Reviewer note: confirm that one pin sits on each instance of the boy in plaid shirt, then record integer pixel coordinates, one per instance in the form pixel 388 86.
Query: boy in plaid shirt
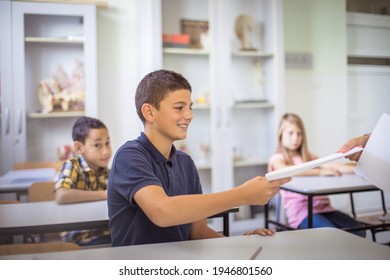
pixel 84 178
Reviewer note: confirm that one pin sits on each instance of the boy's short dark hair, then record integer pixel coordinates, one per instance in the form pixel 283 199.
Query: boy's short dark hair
pixel 82 127
pixel 155 86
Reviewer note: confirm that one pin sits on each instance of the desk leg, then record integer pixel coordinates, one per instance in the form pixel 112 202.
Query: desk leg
pixel 310 211
pixel 226 224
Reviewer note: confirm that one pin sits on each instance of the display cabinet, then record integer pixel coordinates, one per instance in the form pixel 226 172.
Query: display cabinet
pixel 53 74
pixel 236 72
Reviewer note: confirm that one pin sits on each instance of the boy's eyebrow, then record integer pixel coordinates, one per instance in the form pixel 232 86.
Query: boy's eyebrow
pixel 100 139
pixel 182 103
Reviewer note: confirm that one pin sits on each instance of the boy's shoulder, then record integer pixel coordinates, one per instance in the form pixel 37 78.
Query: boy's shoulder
pixel 73 163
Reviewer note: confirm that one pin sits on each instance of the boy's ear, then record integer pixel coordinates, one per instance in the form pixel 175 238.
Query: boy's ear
pixel 148 112
pixel 78 147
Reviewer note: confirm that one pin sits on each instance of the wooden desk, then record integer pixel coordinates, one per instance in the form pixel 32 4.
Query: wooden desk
pixel 323 185
pixel 18 181
pixel 49 216
pixel 310 244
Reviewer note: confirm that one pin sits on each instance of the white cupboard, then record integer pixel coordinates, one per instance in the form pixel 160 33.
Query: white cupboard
pixel 237 93
pixel 45 41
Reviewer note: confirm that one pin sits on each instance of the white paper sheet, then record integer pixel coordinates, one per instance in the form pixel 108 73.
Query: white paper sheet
pixel 374 163
pixel 299 168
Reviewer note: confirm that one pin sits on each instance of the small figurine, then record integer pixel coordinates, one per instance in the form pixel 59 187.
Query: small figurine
pixel 244 26
pixel 59 93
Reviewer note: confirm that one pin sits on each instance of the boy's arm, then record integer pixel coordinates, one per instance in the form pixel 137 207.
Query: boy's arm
pixel 164 210
pixel 64 195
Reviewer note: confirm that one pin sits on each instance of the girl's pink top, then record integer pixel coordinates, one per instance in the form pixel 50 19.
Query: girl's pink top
pixel 295 205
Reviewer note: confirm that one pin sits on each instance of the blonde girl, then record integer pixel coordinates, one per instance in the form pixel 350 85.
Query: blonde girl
pixel 292 149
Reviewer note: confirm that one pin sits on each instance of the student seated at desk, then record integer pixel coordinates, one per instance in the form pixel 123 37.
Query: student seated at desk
pixel 154 191
pixel 84 178
pixel 292 149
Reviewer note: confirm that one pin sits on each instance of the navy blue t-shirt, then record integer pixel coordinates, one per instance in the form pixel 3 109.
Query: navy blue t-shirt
pixel 138 164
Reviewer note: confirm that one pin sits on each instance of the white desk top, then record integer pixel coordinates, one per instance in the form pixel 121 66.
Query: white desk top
pixel 21 180
pixel 36 217
pixel 328 184
pixel 316 244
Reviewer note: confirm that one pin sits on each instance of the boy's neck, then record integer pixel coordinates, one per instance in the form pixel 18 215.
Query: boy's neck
pixel 162 144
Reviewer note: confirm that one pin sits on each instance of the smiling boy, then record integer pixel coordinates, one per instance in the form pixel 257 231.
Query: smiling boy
pixel 154 191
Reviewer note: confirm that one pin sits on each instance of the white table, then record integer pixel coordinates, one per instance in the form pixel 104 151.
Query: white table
pixel 49 216
pixel 18 181
pixel 324 185
pixel 311 244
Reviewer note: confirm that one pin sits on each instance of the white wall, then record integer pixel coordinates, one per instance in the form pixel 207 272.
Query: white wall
pixel 117 70
pixel 319 93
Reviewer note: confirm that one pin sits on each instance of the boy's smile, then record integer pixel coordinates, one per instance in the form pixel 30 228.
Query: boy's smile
pixel 173 117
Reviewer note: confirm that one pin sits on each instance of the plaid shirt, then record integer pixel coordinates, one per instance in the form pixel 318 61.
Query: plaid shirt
pixel 76 174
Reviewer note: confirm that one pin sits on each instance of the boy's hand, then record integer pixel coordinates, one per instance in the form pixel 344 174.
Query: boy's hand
pixel 258 191
pixel 261 231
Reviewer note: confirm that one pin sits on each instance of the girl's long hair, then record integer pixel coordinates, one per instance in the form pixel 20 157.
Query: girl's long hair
pixel 291 118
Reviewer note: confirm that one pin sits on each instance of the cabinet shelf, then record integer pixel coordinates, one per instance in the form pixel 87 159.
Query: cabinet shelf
pixel 66 40
pixel 253 105
pixel 187 51
pixel 252 54
pixel 69 114
pixel 249 162
pixel 238 163
pixel 201 107
pixel 203 166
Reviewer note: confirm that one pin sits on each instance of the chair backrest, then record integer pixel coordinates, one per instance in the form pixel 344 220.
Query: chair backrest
pixel 41 191
pixel 13 249
pixel 57 165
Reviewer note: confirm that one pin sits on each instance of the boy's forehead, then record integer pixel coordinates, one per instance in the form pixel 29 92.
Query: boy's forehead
pixel 94 133
pixel 178 94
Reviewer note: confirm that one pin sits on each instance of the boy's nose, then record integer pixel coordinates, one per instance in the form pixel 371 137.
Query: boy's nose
pixel 188 115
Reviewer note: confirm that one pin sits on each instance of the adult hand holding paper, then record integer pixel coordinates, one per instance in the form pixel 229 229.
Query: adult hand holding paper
pixel 374 163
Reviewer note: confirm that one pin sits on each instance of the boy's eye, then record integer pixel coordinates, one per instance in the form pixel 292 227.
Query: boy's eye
pixel 179 108
pixel 98 145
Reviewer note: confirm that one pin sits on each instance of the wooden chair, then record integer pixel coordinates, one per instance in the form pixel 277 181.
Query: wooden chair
pixel 37 192
pixel 41 191
pixel 13 249
pixel 57 165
